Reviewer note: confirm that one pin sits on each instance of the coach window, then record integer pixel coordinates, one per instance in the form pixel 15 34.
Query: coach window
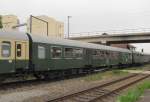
pixel 78 52
pixel 107 53
pixel 18 50
pixel 56 52
pixel 69 52
pixel 6 49
pixel 96 54
pixel 41 52
pixel 102 54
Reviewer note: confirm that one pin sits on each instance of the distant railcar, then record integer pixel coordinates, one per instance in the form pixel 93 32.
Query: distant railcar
pixel 23 54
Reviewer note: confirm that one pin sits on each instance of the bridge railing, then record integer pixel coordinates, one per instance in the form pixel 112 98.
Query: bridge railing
pixel 97 33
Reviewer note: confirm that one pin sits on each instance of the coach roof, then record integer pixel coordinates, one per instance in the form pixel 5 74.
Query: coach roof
pixel 66 42
pixel 13 35
pixel 23 36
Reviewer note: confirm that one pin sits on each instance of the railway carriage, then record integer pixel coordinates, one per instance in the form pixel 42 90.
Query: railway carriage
pixel 14 51
pixel 23 54
pixel 144 58
pixel 60 54
pixel 140 58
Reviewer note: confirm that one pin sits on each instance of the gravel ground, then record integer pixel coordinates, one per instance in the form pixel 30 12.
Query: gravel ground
pixel 130 88
pixel 43 92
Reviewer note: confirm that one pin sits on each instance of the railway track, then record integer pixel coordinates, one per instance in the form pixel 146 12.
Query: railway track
pixel 22 83
pixel 100 92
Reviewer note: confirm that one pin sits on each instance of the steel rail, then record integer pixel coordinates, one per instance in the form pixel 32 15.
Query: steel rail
pixel 118 89
pixel 65 97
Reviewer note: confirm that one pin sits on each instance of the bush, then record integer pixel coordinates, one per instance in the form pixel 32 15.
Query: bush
pixel 133 95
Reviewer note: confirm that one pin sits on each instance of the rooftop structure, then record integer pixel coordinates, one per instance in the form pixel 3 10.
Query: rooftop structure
pixel 8 21
pixel 45 26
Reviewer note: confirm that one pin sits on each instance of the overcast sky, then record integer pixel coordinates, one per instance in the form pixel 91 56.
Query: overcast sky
pixel 87 15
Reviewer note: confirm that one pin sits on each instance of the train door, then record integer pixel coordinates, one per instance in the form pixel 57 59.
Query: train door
pixel 89 56
pixel 21 56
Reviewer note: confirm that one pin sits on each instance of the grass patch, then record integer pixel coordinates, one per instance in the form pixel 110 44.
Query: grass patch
pixel 142 67
pixel 119 72
pixel 93 77
pixel 134 94
pixel 108 74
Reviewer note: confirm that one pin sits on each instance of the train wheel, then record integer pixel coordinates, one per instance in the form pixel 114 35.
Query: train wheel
pixel 39 76
pixel 2 79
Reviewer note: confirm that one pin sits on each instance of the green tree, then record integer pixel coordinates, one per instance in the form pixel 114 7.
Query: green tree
pixel 1 26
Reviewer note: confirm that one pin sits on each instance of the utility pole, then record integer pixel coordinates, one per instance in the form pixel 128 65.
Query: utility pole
pixel 68 25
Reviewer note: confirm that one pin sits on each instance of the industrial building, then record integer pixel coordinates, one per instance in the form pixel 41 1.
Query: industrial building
pixel 8 21
pixel 46 26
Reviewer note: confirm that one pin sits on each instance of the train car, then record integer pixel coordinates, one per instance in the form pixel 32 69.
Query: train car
pixel 59 55
pixel 145 58
pixel 136 57
pixel 14 53
pixel 23 54
pixel 140 58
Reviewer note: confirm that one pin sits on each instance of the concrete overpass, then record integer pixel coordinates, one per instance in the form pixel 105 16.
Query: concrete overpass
pixel 116 38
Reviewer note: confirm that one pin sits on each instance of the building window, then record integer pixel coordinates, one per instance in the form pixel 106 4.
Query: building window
pixel 78 52
pixel 6 49
pixel 56 52
pixel 69 52
pixel 41 52
pixel 18 50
